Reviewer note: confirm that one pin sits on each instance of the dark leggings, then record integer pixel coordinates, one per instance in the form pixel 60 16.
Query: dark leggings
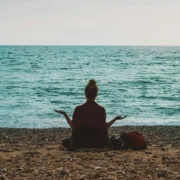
pixel 87 138
pixel 66 143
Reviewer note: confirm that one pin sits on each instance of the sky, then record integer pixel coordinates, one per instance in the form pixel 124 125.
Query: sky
pixel 89 22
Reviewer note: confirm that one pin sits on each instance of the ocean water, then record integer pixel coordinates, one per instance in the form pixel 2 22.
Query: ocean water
pixel 142 83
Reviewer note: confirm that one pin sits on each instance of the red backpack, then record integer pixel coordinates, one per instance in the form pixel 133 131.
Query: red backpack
pixel 133 140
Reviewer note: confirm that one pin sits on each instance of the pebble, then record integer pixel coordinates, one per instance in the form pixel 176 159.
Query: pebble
pixel 161 174
pixel 149 176
pixel 132 170
pixel 2 177
pixel 177 177
pixel 148 152
pixel 3 170
pixel 165 158
pixel 111 178
pixel 110 155
pixel 64 173
pixel 4 150
pixel 161 144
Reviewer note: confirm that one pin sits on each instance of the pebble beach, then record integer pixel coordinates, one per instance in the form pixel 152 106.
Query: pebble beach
pixel 38 154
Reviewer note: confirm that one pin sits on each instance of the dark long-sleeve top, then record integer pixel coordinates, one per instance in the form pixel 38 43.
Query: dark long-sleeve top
pixel 91 115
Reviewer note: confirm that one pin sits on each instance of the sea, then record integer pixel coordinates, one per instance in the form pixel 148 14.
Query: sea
pixel 140 82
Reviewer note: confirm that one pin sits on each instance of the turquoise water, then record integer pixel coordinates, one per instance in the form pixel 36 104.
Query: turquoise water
pixel 140 82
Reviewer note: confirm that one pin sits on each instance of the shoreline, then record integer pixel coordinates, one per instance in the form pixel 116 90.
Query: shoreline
pixel 161 125
pixel 38 154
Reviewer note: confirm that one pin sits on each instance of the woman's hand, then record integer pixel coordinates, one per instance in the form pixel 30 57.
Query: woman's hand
pixel 60 112
pixel 114 120
pixel 120 117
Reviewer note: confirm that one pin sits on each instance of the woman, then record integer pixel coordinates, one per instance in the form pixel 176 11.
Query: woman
pixel 89 126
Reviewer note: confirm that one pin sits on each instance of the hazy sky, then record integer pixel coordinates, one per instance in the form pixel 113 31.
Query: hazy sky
pixel 90 22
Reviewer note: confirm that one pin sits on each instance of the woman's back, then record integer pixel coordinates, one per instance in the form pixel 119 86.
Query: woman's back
pixel 91 115
pixel 89 126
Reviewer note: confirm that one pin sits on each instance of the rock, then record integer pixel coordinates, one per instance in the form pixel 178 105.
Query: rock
pixel 3 170
pixel 98 167
pixel 2 177
pixel 165 158
pixel 148 152
pixel 161 144
pixel 161 174
pixel 80 177
pixel 16 149
pixel 132 170
pixel 177 177
pixel 64 173
pixel 173 162
pixel 20 169
pixel 31 152
pixel 111 178
pixel 149 176
pixel 49 178
pixel 4 150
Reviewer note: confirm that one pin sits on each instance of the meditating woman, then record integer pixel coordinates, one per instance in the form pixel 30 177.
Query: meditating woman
pixel 89 126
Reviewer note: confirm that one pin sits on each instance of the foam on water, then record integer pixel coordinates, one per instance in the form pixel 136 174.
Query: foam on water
pixel 140 82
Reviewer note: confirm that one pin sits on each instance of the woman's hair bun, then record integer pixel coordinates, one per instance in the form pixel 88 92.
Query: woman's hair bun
pixel 91 89
pixel 92 82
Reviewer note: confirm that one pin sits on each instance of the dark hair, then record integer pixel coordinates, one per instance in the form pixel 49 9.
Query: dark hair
pixel 91 89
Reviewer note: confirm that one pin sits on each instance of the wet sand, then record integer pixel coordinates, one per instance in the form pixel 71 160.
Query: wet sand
pixel 38 154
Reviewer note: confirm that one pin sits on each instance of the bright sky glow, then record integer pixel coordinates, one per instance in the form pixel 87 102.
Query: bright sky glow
pixel 91 22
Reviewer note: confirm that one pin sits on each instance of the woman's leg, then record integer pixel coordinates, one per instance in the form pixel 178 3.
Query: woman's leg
pixel 66 143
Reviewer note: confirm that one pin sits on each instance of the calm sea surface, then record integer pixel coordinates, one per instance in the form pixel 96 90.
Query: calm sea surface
pixel 140 82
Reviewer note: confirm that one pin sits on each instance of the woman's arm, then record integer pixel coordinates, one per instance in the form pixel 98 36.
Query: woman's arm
pixel 69 121
pixel 114 120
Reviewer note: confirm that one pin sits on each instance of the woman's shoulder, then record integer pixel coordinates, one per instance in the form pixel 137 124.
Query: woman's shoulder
pixel 100 107
pixel 79 106
pixel 85 106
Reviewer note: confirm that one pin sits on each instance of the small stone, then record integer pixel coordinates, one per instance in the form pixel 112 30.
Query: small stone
pixel 177 177
pixel 132 170
pixel 148 152
pixel 3 170
pixel 97 167
pixel 165 158
pixel 149 176
pixel 59 169
pixel 64 173
pixel 4 150
pixel 173 161
pixel 161 144
pixel 155 156
pixel 129 150
pixel 111 178
pixel 20 169
pixel 49 178
pixel 2 178
pixel 161 174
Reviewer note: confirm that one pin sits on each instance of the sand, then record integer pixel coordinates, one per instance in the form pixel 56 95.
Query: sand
pixel 38 154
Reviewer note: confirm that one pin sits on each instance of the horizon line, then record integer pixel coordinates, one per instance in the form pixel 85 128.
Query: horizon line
pixel 79 45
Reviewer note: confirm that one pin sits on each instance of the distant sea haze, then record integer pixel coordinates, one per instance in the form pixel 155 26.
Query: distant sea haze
pixel 140 82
